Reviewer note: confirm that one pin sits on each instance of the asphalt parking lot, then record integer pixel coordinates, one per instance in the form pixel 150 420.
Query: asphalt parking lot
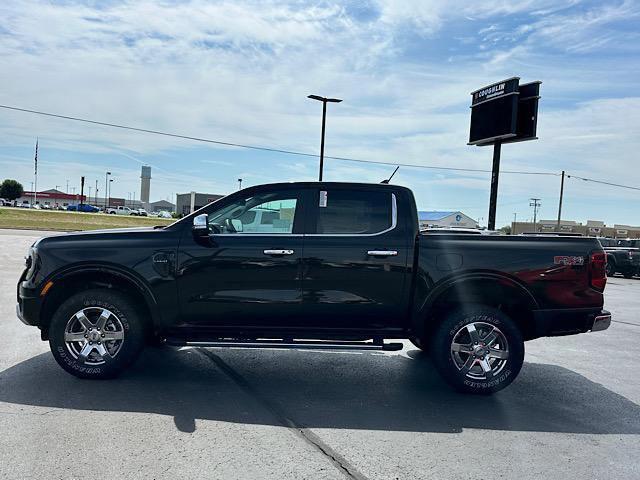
pixel 574 411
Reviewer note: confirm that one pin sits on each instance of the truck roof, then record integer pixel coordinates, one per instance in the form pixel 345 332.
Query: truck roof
pixel 330 184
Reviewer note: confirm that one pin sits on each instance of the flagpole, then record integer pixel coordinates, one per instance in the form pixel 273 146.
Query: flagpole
pixel 35 189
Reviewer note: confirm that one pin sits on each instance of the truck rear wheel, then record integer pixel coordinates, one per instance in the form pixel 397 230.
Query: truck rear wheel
pixel 611 269
pixel 96 334
pixel 478 349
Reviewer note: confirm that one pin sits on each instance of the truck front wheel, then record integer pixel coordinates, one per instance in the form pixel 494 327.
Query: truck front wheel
pixel 96 334
pixel 478 349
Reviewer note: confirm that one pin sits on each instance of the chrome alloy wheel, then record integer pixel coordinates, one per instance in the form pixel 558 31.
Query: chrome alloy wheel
pixel 94 335
pixel 480 350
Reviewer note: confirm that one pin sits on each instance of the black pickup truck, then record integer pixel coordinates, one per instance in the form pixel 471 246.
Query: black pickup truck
pixel 311 265
pixel 623 256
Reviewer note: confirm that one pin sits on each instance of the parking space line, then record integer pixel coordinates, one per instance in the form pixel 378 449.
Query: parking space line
pixel 626 323
pixel 305 434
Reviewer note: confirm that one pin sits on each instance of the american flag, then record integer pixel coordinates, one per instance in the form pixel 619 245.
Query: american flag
pixel 36 159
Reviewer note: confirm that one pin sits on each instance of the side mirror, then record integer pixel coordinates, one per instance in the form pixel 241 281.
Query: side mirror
pixel 200 226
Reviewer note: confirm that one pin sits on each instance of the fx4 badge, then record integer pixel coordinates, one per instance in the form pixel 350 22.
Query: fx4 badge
pixel 568 260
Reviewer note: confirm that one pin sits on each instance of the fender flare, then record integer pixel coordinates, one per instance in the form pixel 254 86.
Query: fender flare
pixel 127 275
pixel 450 282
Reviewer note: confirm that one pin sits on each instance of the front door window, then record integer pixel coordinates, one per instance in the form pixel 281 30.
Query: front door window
pixel 268 213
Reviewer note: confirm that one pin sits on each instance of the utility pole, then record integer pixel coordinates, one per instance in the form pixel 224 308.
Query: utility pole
pixel 239 184
pixel 81 189
pixel 96 192
pixel 515 221
pixel 535 203
pixel 324 101
pixel 495 173
pixel 560 203
pixel 67 190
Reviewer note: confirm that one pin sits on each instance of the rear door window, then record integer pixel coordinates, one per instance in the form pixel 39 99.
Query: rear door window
pixel 354 212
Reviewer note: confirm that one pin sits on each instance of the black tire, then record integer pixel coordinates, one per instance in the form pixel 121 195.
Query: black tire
pixel 502 371
pixel 611 269
pixel 123 317
pixel 628 274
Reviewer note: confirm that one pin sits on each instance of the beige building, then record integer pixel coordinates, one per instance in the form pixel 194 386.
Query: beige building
pixel 593 228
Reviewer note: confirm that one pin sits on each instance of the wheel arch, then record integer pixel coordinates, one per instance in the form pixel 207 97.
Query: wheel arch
pixel 485 288
pixel 74 279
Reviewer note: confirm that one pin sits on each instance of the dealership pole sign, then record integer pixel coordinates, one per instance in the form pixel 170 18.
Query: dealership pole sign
pixel 503 112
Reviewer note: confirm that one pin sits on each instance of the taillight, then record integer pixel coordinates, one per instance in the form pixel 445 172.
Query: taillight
pixel 598 270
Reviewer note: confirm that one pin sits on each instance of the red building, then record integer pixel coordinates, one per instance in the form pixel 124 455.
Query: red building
pixel 52 198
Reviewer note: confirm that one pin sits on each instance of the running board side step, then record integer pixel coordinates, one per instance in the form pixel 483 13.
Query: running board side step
pixel 301 344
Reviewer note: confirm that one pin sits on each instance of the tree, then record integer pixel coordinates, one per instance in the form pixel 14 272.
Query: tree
pixel 11 189
pixel 506 229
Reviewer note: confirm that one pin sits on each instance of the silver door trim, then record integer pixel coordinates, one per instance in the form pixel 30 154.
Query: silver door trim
pixel 382 253
pixel 394 224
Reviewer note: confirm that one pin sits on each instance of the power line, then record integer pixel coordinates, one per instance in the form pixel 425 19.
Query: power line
pixel 266 149
pixel 604 183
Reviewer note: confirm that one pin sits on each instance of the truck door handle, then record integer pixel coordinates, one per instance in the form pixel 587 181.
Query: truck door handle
pixel 382 253
pixel 278 252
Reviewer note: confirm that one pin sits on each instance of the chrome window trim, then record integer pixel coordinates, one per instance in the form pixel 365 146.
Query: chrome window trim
pixel 279 235
pixel 394 224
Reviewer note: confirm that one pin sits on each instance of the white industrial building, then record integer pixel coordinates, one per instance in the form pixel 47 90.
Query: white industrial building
pixel 446 219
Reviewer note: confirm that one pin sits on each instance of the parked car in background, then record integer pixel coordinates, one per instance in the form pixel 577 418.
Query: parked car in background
pixel 141 212
pixel 83 208
pixel 164 214
pixel 5 203
pixel 623 256
pixel 121 211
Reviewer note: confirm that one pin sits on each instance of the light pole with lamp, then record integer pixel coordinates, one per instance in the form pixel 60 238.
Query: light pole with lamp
pixel 324 101
pixel 109 190
pixel 106 189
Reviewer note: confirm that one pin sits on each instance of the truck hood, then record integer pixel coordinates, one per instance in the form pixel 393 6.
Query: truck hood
pixel 97 235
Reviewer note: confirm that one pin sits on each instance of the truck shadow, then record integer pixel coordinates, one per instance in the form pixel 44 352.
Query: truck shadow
pixel 324 390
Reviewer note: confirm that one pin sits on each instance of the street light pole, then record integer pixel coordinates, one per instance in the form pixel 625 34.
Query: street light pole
pixel 324 101
pixel 106 189
pixel 239 184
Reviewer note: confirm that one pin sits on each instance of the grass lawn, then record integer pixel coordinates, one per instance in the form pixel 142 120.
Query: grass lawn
pixel 68 221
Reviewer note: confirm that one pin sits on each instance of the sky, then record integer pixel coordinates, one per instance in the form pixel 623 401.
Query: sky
pixel 240 72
